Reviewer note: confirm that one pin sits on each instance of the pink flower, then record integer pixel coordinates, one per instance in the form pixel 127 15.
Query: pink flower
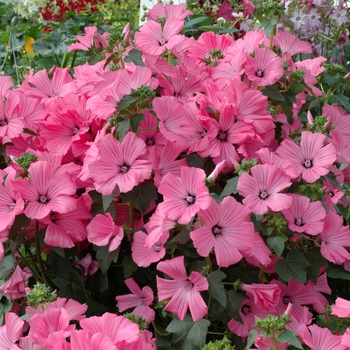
pixel 341 307
pixel 139 299
pixel 120 164
pixel 11 331
pixel 87 265
pixel 91 38
pixel 311 159
pixel 102 231
pixel 303 216
pixel 117 328
pixel 266 296
pixel 182 291
pixel 184 196
pixel 335 239
pixel 48 190
pixel 262 190
pixel 153 38
pixel 265 68
pixel 14 287
pixel 160 10
pixel 84 340
pixel 226 229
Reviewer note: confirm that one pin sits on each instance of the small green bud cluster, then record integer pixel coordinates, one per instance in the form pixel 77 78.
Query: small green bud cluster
pixel 314 191
pixel 222 344
pixel 321 124
pixel 277 222
pixel 139 320
pixel 335 68
pixel 269 9
pixel 298 76
pixel 39 295
pixel 143 91
pixel 212 60
pixel 272 324
pixel 25 160
pixel 245 166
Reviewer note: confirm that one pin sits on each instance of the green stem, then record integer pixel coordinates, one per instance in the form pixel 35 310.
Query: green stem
pixel 40 260
pixel 65 60
pixel 275 342
pixel 162 334
pixel 73 59
pixel 209 264
pixel 131 217
pixel 31 266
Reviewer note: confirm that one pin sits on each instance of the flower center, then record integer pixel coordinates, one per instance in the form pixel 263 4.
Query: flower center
pixel 191 199
pixel 3 122
pixel 216 230
pixel 308 164
pixel 150 142
pixel 124 169
pixel 162 41
pixel 43 199
pixel 12 205
pixel 259 73
pixel 75 130
pixel 298 222
pixel 245 310
pixel 263 195
pixel 222 136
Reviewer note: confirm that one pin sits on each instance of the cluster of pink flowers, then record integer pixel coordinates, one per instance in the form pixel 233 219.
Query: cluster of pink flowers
pixel 203 113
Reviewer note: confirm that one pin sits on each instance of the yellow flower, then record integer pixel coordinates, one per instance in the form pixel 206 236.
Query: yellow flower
pixel 28 46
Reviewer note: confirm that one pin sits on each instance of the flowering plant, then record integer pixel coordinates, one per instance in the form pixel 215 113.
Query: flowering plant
pixel 199 182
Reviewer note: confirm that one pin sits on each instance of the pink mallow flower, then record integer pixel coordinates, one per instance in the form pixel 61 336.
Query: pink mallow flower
pixel 184 196
pixel 226 229
pixel 341 308
pixel 120 164
pixel 183 291
pixel 47 190
pixel 312 158
pixel 11 331
pixel 262 189
pixel 14 287
pixel 266 296
pixel 305 216
pixel 140 299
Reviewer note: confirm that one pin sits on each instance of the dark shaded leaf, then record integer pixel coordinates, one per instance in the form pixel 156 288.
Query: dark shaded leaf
pixel 126 101
pixel 135 120
pixel 230 187
pixel 105 257
pixel 293 265
pixel 277 243
pixel 6 265
pixel 316 262
pixel 129 266
pixel 188 335
pixel 135 56
pixel 216 288
pixel 289 336
pixel 20 223
pixel 273 92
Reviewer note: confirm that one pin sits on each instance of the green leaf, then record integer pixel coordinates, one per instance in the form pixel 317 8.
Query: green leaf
pixel 99 204
pixel 296 87
pixel 141 196
pixel 135 120
pixel 196 22
pixel 107 201
pixel 273 92
pixel 293 265
pixel 123 128
pixel 289 336
pixel 7 264
pixel 233 305
pixel 257 221
pixel 5 306
pixel 230 187
pixel 188 335
pixel 287 105
pixel 316 261
pixel 126 101
pixel 136 57
pixel 337 271
pixel 216 197
pixel 216 288
pixel 105 257
pixel 129 266
pixel 269 25
pixel 251 338
pixel 277 243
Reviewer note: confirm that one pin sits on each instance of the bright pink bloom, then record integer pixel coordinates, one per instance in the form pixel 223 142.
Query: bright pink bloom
pixel 260 252
pixel 84 340
pixel 47 191
pixel 290 45
pixel 184 196
pixel 262 189
pixel 11 202
pixel 268 343
pixel 321 287
pixel 144 256
pixel 139 299
pixel 226 229
pixel 305 216
pixel 266 296
pixel 335 239
pixel 311 159
pixel 248 312
pixel 14 287
pixel 90 39
pixel 153 38
pixel 265 68
pixel 102 231
pixel 182 291
pixel 120 164
pixel 320 338
pixel 117 328
pixel 341 308
pixel 10 331
pixel 87 265
pixel 175 129
pixel 160 10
